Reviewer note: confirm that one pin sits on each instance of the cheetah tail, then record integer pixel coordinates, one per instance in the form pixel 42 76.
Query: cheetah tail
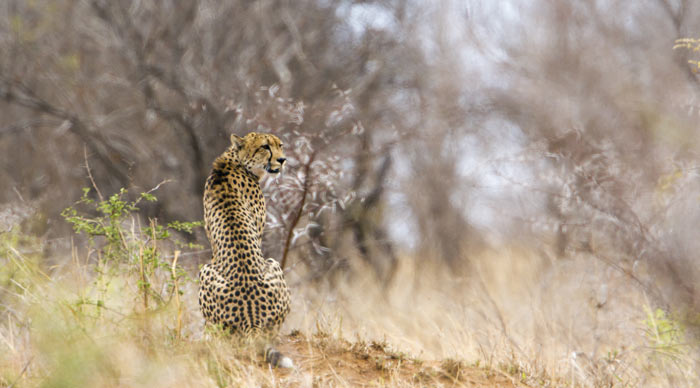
pixel 277 359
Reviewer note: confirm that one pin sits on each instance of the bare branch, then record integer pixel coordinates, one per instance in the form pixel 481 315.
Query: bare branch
pixel 300 207
pixel 92 180
pixel 19 94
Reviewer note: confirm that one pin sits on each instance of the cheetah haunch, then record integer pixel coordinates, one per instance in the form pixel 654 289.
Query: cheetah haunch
pixel 239 289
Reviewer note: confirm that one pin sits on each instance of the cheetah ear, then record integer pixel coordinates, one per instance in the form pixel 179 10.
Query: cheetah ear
pixel 237 141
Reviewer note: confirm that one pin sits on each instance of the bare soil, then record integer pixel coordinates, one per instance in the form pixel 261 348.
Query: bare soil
pixel 325 361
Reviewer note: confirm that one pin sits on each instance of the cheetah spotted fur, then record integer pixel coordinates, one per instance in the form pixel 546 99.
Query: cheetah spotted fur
pixel 239 289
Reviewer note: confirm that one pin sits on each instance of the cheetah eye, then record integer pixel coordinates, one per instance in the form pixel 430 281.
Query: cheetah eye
pixel 266 146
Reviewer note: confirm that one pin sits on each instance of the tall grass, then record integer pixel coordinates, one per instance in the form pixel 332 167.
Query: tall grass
pixel 577 321
pixel 120 310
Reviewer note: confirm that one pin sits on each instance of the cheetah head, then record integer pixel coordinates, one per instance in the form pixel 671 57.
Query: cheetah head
pixel 259 152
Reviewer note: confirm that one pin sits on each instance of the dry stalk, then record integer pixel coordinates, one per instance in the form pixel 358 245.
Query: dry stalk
pixel 21 374
pixel 178 332
pixel 143 280
pixel 89 172
pixel 300 208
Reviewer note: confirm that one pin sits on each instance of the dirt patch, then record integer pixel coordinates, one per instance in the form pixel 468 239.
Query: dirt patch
pixel 325 361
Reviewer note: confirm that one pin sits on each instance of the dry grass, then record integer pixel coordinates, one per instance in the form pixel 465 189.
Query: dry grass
pixel 573 322
pixel 517 320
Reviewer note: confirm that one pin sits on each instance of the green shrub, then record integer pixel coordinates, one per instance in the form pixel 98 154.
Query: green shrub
pixel 120 242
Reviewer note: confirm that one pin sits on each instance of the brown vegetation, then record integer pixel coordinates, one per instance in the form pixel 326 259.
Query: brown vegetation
pixel 511 182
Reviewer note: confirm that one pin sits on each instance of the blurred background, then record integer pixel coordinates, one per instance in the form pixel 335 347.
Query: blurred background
pixel 555 141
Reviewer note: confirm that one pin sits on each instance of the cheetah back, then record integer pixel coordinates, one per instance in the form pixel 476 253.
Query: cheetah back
pixel 239 290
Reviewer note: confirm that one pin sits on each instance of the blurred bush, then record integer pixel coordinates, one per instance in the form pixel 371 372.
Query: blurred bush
pixel 434 129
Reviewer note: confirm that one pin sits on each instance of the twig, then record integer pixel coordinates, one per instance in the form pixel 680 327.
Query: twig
pixel 192 253
pixel 177 296
pixel 158 185
pixel 21 198
pixel 24 370
pixel 153 189
pixel 297 216
pixel 92 180
pixel 143 279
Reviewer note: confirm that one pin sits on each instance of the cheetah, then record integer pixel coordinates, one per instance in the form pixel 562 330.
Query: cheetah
pixel 239 289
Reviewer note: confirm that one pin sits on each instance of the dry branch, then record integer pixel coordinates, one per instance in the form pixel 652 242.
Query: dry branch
pixel 300 209
pixel 19 94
